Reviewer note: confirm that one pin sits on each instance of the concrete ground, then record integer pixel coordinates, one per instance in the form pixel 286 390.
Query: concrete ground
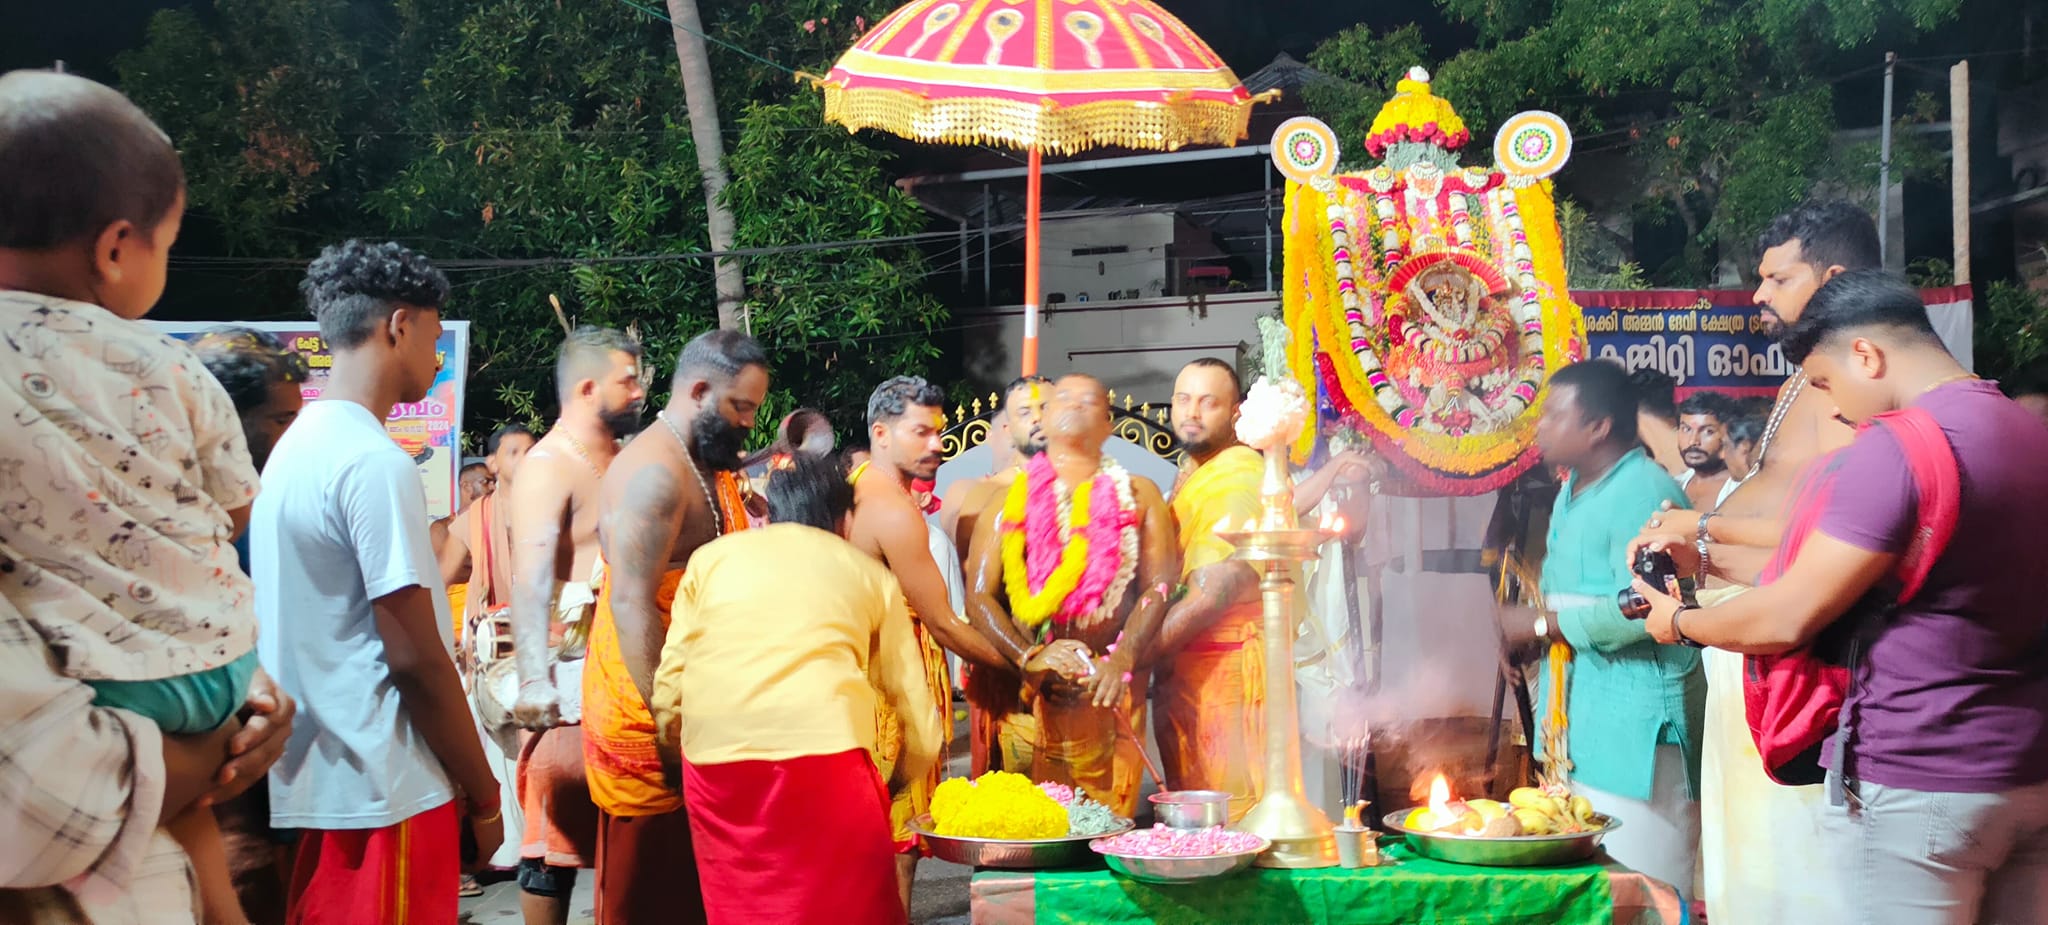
pixel 940 897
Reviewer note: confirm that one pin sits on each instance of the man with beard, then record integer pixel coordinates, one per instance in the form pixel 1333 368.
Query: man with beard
pixel 1076 634
pixel 668 493
pixel 1211 714
pixel 1703 420
pixel 905 418
pixel 1023 401
pixel 1001 731
pixel 556 567
pixel 1758 838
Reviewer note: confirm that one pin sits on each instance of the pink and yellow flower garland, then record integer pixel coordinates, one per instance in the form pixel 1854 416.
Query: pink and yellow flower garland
pixel 1065 561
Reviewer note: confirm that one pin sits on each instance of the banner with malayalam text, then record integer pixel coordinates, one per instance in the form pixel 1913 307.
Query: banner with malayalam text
pixel 429 430
pixel 1715 339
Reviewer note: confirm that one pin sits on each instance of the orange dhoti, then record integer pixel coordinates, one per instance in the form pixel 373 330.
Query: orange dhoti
pixel 1095 749
pixel 626 778
pixel 645 865
pixel 915 799
pixel 1002 732
pixel 1211 724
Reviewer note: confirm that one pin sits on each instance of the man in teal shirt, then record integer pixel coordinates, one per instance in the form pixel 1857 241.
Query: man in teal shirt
pixel 1634 709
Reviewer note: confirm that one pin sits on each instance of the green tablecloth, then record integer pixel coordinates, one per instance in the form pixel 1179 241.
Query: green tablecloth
pixel 1415 890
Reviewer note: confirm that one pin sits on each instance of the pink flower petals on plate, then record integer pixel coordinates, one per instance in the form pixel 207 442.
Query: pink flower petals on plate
pixel 1162 842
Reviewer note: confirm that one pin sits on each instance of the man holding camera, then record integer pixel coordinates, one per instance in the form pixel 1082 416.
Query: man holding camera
pixel 1632 709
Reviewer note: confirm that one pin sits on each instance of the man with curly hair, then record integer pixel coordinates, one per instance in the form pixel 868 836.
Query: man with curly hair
pixel 905 419
pixel 354 617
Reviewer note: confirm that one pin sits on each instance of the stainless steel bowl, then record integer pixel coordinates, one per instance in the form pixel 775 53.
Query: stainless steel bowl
pixel 1182 870
pixel 1012 854
pixel 1192 809
pixel 1519 851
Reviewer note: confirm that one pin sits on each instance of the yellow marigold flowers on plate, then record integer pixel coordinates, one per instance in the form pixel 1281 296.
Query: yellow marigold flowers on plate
pixel 999 804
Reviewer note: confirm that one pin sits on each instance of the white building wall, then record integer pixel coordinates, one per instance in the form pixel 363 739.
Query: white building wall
pixel 1135 347
pixel 1100 277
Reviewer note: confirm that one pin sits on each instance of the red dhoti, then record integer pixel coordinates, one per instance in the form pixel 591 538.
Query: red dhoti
pixel 800 840
pixel 404 874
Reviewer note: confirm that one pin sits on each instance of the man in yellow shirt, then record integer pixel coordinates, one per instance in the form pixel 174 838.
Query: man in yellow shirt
pixel 1211 695
pixel 780 642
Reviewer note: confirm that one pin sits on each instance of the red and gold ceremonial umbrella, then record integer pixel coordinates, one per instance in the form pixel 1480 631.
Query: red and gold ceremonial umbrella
pixel 1058 76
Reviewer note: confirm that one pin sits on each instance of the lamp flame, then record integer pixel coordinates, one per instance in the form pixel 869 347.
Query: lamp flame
pixel 1440 799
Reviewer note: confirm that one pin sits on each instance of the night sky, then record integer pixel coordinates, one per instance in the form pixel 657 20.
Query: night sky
pixel 86 34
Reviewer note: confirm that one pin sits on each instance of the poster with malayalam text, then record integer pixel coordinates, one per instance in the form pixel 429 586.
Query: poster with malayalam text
pixel 1715 339
pixel 429 431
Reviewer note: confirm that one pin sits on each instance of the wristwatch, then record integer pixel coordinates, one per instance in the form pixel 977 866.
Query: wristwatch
pixel 1683 639
pixel 1701 538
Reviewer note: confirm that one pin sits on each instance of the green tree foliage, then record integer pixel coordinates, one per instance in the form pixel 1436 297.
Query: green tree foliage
pixel 543 149
pixel 1725 106
pixel 2011 339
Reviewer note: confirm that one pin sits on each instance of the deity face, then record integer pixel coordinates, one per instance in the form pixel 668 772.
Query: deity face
pixel 1205 402
pixel 1078 412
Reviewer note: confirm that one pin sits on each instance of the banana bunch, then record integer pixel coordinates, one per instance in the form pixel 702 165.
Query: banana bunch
pixel 1542 812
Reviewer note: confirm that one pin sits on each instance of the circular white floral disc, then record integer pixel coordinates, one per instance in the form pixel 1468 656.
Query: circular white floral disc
pixel 1533 144
pixel 1305 148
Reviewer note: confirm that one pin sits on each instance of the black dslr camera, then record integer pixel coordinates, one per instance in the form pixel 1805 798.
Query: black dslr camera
pixel 1657 570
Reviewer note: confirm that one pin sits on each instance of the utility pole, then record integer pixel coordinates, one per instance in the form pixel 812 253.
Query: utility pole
pixel 1884 163
pixel 1959 166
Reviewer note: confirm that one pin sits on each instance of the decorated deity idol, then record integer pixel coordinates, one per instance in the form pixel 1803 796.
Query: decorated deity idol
pixel 1427 299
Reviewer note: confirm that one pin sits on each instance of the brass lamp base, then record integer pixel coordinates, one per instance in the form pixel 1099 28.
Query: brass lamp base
pixel 1302 838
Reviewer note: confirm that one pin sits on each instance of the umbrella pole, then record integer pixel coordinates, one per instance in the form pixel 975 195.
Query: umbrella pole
pixel 1032 297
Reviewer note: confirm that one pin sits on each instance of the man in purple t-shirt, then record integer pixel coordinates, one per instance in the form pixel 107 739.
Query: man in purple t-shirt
pixel 1946 816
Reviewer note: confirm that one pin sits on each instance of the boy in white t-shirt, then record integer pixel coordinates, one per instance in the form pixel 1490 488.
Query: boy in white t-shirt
pixel 355 619
pixel 126 476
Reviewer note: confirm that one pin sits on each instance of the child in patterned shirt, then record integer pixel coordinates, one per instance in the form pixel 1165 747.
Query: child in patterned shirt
pixel 128 475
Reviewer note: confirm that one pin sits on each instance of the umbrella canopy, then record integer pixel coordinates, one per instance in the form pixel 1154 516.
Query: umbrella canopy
pixel 1055 76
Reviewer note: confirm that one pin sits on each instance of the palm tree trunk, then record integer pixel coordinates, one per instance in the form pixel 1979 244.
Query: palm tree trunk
pixel 704 130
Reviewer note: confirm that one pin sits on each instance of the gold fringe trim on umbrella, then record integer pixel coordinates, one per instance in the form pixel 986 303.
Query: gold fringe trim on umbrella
pixel 1050 128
